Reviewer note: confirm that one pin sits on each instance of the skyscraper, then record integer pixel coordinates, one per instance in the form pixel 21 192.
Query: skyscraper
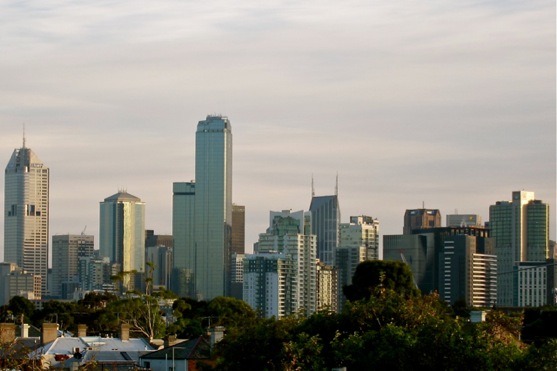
pixel 202 224
pixel 521 231
pixel 122 234
pixel 325 223
pixel 26 213
pixel 66 251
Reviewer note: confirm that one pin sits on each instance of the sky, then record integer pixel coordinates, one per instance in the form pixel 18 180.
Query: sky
pixel 447 105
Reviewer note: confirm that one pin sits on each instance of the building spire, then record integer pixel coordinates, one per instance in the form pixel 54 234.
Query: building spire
pixel 336 186
pixel 23 135
pixel 312 187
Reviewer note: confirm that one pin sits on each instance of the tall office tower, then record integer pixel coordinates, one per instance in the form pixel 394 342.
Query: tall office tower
pixel 183 218
pixel 26 213
pixel 66 251
pixel 20 283
pixel 421 219
pixel 358 241
pixel 238 229
pixel 468 270
pixel 292 274
pixel 122 236
pixel 521 231
pixel 464 220
pixel 213 206
pixel 325 220
pixel 202 215
pixel 237 250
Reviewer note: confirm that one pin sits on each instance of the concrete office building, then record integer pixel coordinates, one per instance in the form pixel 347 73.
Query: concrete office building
pixel 421 219
pixel 521 231
pixel 26 213
pixel 122 236
pixel 468 270
pixel 66 251
pixel 422 251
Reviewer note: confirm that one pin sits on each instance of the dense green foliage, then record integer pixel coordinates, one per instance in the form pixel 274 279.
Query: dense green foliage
pixel 380 274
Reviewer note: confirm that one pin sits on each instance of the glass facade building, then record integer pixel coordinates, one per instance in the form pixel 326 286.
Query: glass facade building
pixel 325 224
pixel 202 215
pixel 26 213
pixel 122 233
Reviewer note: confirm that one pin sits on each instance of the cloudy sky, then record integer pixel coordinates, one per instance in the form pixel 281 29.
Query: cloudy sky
pixel 446 104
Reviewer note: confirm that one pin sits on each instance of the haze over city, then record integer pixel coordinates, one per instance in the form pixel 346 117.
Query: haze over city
pixel 451 106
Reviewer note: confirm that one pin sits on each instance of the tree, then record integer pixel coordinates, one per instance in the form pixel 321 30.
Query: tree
pixel 382 274
pixel 141 313
pixel 19 306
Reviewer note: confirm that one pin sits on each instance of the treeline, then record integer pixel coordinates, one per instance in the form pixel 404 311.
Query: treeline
pixel 386 324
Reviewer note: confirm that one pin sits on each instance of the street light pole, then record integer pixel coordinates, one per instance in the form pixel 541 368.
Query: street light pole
pixel 173 363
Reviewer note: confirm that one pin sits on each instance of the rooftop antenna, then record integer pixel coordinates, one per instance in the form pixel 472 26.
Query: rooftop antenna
pixel 312 187
pixel 23 135
pixel 336 186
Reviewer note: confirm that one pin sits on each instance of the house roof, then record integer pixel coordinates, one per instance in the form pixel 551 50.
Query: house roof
pixel 197 348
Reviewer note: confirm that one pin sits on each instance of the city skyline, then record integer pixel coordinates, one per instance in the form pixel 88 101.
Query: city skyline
pixel 451 105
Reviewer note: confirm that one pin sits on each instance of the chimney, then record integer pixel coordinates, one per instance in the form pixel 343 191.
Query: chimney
pixel 169 340
pixel 49 333
pixel 217 333
pixel 81 330
pixel 24 330
pixel 124 332
pixel 7 332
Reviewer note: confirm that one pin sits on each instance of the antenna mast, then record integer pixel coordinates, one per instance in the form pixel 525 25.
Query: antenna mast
pixel 336 186
pixel 312 188
pixel 23 135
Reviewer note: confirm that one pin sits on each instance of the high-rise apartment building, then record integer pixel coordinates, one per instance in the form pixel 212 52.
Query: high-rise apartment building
pixel 282 278
pixel 358 241
pixel 421 219
pixel 521 231
pixel 122 235
pixel 325 220
pixel 66 251
pixel 26 213
pixel 202 225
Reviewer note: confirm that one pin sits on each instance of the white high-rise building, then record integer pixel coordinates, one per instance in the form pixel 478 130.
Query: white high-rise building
pixel 281 279
pixel 26 213
pixel 122 234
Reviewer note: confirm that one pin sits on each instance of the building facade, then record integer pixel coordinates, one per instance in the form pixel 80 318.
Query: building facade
pixel 521 231
pixel 468 270
pixel 66 251
pixel 464 220
pixel 122 235
pixel 26 213
pixel 281 279
pixel 325 224
pixel 421 219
